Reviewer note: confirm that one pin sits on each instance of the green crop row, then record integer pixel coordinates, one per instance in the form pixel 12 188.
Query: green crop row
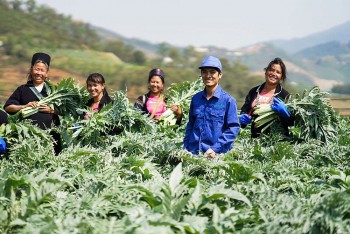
pixel 143 181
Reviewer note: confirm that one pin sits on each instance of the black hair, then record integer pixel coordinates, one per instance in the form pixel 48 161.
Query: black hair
pixel 98 78
pixel 280 62
pixel 156 72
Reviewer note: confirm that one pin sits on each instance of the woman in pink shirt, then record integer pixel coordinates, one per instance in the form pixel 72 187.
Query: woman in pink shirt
pixel 96 86
pixel 152 103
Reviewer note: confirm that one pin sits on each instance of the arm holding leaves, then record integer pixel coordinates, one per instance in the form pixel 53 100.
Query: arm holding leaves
pixel 281 108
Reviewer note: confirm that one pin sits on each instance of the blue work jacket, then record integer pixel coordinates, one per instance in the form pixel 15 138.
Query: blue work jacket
pixel 212 123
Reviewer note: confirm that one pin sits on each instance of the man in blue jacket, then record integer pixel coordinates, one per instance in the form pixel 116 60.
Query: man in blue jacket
pixel 213 121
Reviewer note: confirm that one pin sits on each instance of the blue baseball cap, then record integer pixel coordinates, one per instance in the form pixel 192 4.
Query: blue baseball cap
pixel 211 61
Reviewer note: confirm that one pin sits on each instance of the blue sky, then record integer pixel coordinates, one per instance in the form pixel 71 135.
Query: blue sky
pixel 224 23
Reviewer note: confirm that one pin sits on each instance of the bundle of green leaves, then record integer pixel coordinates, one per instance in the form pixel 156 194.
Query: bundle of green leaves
pixel 63 98
pixel 180 94
pixel 266 116
pixel 118 114
pixel 314 116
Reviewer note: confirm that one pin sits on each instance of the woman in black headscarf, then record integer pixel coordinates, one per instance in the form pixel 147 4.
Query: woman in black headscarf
pixel 30 93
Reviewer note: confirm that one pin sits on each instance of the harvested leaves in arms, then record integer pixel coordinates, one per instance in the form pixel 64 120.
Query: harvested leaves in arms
pixel 121 114
pixel 64 98
pixel 266 116
pixel 118 114
pixel 314 115
pixel 180 94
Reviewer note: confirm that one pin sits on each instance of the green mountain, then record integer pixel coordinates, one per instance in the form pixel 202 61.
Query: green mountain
pixel 25 26
pixel 333 59
pixel 78 49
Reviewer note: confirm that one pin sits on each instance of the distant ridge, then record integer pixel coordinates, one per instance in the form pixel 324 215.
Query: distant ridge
pixel 142 45
pixel 332 48
pixel 339 33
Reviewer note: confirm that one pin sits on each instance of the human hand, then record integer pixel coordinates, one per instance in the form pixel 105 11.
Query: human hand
pixel 32 104
pixel 46 109
pixel 176 109
pixel 156 117
pixel 279 107
pixel 210 153
pixel 2 145
pixel 245 119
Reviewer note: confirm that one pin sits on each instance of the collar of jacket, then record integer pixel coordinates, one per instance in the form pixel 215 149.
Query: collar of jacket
pixel 102 103
pixel 216 94
pixel 277 91
pixel 46 83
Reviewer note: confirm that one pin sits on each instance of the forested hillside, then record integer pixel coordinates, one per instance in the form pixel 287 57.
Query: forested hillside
pixel 334 57
pixel 78 50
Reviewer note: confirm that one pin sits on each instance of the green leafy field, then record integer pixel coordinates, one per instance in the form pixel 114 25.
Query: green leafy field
pixel 142 181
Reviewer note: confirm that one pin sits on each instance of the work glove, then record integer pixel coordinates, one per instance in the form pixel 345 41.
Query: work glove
pixel 2 145
pixel 279 107
pixel 245 119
